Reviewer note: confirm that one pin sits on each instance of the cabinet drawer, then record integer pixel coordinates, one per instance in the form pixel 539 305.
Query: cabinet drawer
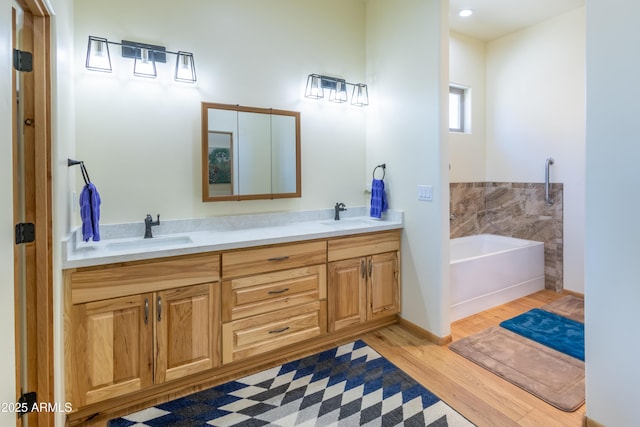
pixel 250 296
pixel 260 334
pixel 366 244
pixel 272 258
pixel 117 280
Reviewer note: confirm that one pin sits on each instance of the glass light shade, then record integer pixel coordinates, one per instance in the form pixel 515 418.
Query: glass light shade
pixel 144 66
pixel 339 93
pixel 360 96
pixel 314 87
pixel 185 68
pixel 98 58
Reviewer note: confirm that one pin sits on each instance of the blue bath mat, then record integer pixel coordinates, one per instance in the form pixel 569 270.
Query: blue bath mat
pixel 550 329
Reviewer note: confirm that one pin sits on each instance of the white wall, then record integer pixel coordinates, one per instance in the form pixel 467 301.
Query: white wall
pixel 613 185
pixel 140 138
pixel 467 67
pixel 536 109
pixel 407 65
pixel 62 147
pixel 7 356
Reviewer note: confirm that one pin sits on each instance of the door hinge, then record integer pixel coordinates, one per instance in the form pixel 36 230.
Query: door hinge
pixel 25 233
pixel 26 403
pixel 22 60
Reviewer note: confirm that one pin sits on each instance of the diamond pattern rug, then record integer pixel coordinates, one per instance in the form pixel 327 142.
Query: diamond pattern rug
pixel 351 385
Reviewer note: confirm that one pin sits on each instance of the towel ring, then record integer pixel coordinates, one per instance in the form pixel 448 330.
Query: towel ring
pixel 384 170
pixel 83 169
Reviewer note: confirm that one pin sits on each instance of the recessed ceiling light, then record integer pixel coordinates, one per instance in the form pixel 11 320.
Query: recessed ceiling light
pixel 465 12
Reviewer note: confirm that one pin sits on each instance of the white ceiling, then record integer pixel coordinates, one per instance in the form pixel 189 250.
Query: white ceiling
pixel 493 19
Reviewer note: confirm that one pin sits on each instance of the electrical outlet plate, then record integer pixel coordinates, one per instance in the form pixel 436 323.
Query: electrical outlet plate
pixel 425 193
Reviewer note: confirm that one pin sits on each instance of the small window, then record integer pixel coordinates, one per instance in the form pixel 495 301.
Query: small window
pixel 457 107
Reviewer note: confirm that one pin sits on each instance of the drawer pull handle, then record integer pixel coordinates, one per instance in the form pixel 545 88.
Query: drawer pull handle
pixel 363 269
pixel 159 309
pixel 281 291
pixel 277 331
pixel 278 258
pixel 146 311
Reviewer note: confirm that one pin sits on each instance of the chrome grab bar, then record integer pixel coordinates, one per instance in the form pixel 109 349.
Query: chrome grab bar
pixel 547 197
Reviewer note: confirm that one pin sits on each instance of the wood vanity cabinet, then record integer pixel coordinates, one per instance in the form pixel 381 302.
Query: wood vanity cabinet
pixel 134 325
pixel 139 329
pixel 272 297
pixel 363 278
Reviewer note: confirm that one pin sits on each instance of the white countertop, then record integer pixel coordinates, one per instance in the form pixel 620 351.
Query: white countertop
pixel 124 242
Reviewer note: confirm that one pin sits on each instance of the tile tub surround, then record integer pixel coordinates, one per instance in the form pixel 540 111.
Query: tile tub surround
pixel 514 210
pixel 218 233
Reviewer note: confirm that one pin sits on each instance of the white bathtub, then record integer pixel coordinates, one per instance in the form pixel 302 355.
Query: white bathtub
pixel 488 270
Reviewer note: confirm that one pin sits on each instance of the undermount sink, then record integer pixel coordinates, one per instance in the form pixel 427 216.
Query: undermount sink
pixel 347 222
pixel 154 242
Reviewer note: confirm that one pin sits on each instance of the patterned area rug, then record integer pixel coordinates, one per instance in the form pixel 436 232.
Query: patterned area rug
pixel 350 385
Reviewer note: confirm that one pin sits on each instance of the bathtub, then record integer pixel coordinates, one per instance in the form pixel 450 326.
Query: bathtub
pixel 488 270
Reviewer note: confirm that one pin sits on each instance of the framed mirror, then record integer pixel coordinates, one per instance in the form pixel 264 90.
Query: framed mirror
pixel 249 153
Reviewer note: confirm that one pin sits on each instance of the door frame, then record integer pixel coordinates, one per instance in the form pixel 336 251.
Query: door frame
pixel 39 298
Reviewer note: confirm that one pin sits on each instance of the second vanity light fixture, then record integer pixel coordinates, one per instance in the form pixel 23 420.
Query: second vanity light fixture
pixel 145 57
pixel 317 83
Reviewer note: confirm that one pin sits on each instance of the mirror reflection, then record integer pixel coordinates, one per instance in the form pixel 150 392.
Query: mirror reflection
pixel 249 153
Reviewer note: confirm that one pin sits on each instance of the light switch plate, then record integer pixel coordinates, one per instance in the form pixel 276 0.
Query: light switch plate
pixel 425 193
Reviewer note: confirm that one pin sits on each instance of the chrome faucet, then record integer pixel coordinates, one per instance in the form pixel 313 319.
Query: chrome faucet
pixel 339 207
pixel 148 223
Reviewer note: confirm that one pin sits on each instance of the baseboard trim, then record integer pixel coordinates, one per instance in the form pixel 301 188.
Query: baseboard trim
pixel 587 422
pixel 423 332
pixel 574 293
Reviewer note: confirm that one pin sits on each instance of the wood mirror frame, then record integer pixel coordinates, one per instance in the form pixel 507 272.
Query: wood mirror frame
pixel 240 139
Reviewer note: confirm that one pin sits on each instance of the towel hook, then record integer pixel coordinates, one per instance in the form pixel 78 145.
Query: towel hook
pixel 384 169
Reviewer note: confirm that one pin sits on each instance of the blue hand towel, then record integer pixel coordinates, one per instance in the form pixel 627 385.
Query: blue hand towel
pixel 90 212
pixel 378 199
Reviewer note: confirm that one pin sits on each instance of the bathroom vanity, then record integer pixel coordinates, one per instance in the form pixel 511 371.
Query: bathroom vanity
pixel 142 324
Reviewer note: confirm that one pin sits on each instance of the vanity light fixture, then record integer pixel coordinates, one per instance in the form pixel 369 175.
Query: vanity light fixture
pixel 317 83
pixel 98 58
pixel 314 87
pixel 185 68
pixel 145 58
pixel 145 66
pixel 360 96
pixel 339 92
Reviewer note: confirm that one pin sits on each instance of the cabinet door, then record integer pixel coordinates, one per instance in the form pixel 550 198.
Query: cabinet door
pixel 111 348
pixel 346 293
pixel 383 289
pixel 187 331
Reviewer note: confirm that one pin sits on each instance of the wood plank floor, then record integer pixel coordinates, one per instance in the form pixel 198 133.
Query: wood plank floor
pixel 484 398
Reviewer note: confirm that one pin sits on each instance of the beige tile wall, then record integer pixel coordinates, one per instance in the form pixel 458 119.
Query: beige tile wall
pixel 515 210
